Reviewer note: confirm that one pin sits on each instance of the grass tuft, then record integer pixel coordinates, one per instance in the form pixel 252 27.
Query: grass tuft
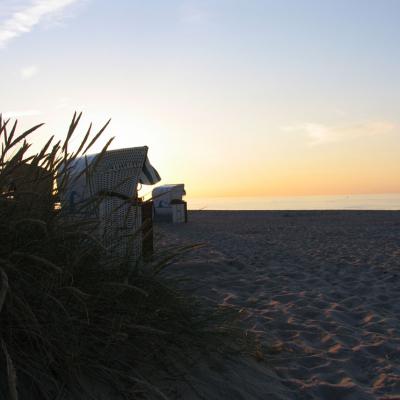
pixel 73 320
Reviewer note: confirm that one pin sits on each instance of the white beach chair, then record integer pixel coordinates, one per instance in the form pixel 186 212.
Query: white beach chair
pixel 115 179
pixel 110 185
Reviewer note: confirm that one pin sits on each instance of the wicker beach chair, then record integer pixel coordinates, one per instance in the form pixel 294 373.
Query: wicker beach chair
pixel 110 190
pixel 115 179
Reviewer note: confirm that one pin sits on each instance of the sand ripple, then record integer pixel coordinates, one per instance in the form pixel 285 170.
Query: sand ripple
pixel 322 286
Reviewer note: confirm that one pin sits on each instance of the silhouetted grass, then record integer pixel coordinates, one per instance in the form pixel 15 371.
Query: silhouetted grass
pixel 75 322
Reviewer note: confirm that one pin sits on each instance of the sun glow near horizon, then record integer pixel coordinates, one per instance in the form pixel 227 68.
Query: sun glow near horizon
pixel 261 99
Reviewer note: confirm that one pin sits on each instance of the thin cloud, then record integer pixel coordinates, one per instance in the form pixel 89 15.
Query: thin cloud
pixel 29 72
pixel 25 19
pixel 21 113
pixel 319 134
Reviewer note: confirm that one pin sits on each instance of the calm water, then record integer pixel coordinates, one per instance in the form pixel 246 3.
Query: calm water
pixel 343 202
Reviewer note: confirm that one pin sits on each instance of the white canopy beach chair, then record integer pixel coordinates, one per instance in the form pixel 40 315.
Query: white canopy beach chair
pixel 107 192
pixel 166 199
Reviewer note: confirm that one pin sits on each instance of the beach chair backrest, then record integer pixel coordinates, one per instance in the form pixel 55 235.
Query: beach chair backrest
pixel 118 171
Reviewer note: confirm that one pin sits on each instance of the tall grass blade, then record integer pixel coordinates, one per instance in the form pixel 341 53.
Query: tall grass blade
pixel 3 288
pixel 93 141
pixel 25 134
pixel 11 373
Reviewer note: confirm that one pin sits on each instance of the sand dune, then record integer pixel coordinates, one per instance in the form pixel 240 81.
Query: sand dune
pixel 321 289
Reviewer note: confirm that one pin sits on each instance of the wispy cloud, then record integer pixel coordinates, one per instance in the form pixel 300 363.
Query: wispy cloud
pixel 28 16
pixel 21 113
pixel 319 134
pixel 29 71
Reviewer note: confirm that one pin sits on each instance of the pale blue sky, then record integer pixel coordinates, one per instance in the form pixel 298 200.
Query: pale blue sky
pixel 286 88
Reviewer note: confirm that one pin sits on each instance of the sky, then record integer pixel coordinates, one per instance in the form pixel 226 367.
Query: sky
pixel 233 97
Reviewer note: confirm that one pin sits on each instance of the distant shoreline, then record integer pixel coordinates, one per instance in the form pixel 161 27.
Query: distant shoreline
pixel 299 203
pixel 295 211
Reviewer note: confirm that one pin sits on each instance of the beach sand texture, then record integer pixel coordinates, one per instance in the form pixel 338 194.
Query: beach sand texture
pixel 320 288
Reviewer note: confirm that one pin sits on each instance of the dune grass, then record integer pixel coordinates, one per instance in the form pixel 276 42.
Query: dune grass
pixel 75 322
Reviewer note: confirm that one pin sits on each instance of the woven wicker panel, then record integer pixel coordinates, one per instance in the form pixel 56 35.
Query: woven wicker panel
pixel 118 171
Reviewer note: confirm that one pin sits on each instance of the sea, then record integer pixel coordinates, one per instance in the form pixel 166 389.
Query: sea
pixel 339 202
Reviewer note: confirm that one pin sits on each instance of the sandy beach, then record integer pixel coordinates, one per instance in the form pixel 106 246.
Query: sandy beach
pixel 320 288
